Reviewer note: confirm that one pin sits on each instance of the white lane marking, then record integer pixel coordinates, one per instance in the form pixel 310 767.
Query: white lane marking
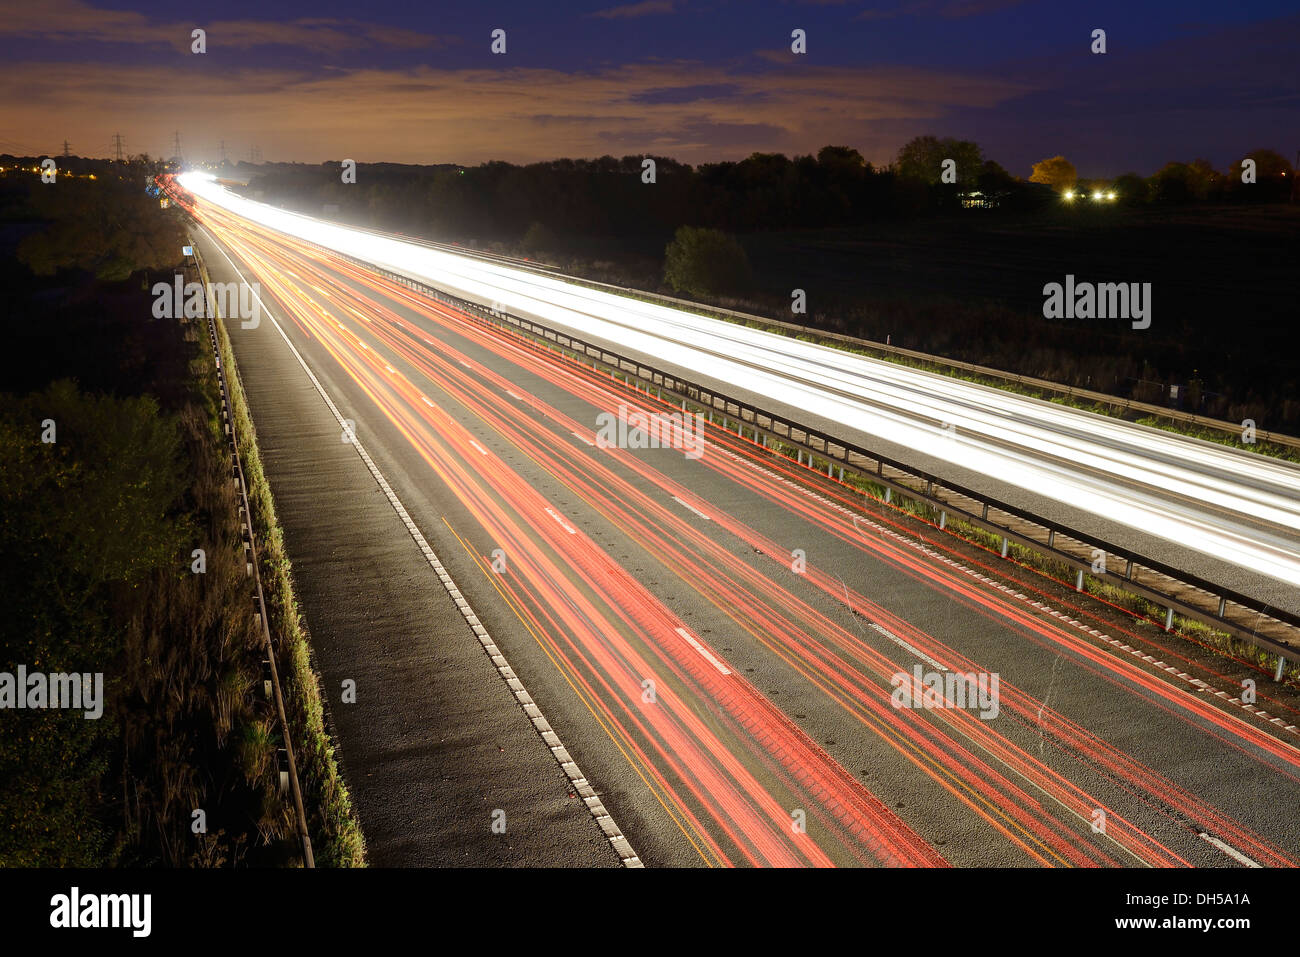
pixel 465 364
pixel 584 439
pixel 1232 852
pixel 425 400
pixel 692 508
pixel 517 398
pixel 902 644
pixel 702 650
pixel 390 368
pixel 622 847
pixel 482 451
pixel 563 524
pixel 965 569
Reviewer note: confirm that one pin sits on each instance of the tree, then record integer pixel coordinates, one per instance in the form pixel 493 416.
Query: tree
pixel 1131 189
pixel 706 262
pixel 1273 176
pixel 1056 172
pixel 106 227
pixel 994 179
pixel 1173 184
pixel 922 158
pixel 842 157
pixel 538 240
pixel 1205 180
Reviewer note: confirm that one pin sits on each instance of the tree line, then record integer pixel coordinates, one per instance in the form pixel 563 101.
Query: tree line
pixel 567 199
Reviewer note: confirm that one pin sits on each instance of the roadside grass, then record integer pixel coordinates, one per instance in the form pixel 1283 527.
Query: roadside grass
pixel 337 840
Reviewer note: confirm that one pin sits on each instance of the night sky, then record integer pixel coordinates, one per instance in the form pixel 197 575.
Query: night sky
pixel 699 81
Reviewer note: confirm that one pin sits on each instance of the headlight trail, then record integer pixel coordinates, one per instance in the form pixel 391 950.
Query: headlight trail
pixel 1240 508
pixel 713 748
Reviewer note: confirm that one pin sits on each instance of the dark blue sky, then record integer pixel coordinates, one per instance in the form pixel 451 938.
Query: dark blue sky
pixel 695 80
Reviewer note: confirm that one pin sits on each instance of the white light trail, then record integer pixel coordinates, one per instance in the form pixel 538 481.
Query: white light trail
pixel 1193 493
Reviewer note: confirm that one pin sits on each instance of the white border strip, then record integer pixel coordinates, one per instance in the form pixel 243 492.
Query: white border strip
pixel 570 768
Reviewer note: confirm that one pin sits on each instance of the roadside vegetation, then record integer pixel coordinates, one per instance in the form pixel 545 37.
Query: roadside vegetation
pixel 121 553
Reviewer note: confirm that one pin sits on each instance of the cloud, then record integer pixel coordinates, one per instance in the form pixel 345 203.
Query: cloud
pixel 632 10
pixel 427 115
pixel 948 9
pixel 75 20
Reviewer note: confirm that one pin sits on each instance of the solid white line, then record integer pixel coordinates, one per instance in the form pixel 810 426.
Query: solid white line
pixel 1232 852
pixel 482 450
pixel 584 439
pixel 622 847
pixel 565 525
pixel 902 644
pixel 692 508
pixel 702 650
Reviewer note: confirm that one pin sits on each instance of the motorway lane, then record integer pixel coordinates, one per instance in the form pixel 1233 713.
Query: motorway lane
pixel 434 742
pixel 1017 795
pixel 1223 514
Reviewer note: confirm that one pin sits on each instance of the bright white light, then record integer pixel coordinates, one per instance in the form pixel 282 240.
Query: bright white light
pixel 1069 194
pixel 1204 497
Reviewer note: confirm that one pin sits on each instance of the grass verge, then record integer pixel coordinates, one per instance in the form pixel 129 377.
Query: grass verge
pixel 336 835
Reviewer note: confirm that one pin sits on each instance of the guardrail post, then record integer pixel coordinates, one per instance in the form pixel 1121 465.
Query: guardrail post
pixel 943 516
pixel 1155 567
pixel 1078 581
pixel 1169 619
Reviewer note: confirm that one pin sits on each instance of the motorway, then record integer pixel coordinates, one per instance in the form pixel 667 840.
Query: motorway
pixel 1229 516
pixel 715 637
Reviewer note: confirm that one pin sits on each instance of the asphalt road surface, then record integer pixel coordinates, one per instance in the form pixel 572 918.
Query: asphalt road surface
pixel 735 652
pixel 1227 515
